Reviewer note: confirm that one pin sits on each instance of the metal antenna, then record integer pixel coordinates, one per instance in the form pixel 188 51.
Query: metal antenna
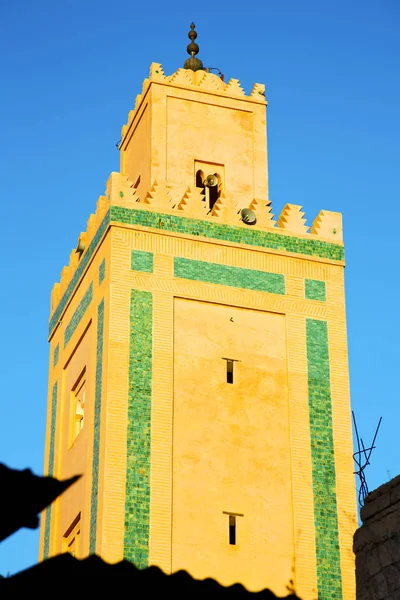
pixel 361 458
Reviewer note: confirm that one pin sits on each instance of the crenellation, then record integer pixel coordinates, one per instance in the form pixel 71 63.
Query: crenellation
pixel 73 259
pixel 291 219
pixel 226 209
pixel 258 92
pixel 66 274
pixel 328 225
pixel 182 77
pixel 90 228
pixel 233 87
pixel 55 296
pixel 212 82
pixel 160 196
pixel 163 198
pixel 101 208
pixel 156 72
pixel 193 203
pixel 263 210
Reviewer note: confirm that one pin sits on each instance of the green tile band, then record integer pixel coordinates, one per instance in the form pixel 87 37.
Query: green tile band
pixel 96 433
pixel 137 497
pixel 315 290
pixel 230 233
pixel 50 470
pixel 323 462
pixel 238 277
pixel 56 355
pixel 78 314
pixel 102 271
pixel 142 261
pixel 211 230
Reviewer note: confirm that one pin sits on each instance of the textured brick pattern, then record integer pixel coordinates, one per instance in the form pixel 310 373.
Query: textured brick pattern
pixel 102 271
pixel 315 290
pixel 226 275
pixel 78 314
pixel 83 263
pixel 323 462
pixel 137 502
pixel 96 431
pixel 56 355
pixel 230 233
pixel 142 261
pixel 50 470
pixel 377 544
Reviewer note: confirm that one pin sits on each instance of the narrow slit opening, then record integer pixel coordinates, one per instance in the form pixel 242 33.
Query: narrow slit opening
pixel 229 371
pixel 232 530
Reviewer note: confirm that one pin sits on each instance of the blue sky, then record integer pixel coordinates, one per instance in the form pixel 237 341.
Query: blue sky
pixel 70 72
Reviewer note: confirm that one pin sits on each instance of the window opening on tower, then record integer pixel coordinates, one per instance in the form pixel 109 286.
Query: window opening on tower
pixel 232 526
pixel 229 368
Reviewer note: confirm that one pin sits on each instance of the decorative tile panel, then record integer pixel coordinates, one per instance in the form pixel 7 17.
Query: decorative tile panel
pixel 102 271
pixel 78 314
pixel 315 290
pixel 56 355
pixel 50 470
pixel 137 499
pixel 96 427
pixel 323 462
pixel 142 261
pixel 227 275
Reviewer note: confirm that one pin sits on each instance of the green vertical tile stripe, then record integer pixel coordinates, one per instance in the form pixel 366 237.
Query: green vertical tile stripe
pixel 102 271
pixel 323 462
pixel 315 290
pixel 142 261
pixel 56 355
pixel 226 275
pixel 137 498
pixel 50 469
pixel 96 432
pixel 78 314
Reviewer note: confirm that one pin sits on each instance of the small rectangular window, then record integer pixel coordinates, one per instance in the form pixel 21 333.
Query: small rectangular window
pixel 229 371
pixel 232 530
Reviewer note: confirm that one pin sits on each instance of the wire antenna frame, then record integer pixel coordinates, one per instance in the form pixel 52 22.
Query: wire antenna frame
pixel 361 458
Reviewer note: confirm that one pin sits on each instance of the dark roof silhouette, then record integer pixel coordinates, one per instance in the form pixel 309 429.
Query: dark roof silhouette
pixel 24 495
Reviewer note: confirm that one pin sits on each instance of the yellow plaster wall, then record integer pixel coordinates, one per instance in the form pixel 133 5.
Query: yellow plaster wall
pixel 231 448
pixel 77 458
pixel 164 287
pixel 136 158
pixel 189 125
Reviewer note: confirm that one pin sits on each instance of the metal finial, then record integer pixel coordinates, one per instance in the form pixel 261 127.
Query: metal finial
pixel 192 63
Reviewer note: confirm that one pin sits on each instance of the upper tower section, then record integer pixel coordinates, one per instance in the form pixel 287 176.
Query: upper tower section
pixel 192 124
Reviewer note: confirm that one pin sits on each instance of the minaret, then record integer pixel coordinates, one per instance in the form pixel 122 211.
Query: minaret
pixel 198 372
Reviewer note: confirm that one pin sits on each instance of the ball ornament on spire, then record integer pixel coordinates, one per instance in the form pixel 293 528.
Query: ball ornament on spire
pixel 193 62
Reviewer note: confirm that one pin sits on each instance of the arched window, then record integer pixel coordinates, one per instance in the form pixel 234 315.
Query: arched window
pixel 200 179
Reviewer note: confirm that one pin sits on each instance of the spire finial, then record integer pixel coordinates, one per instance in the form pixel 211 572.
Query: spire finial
pixel 192 63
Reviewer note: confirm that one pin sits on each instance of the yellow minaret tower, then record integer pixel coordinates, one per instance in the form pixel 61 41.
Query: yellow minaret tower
pixel 198 359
